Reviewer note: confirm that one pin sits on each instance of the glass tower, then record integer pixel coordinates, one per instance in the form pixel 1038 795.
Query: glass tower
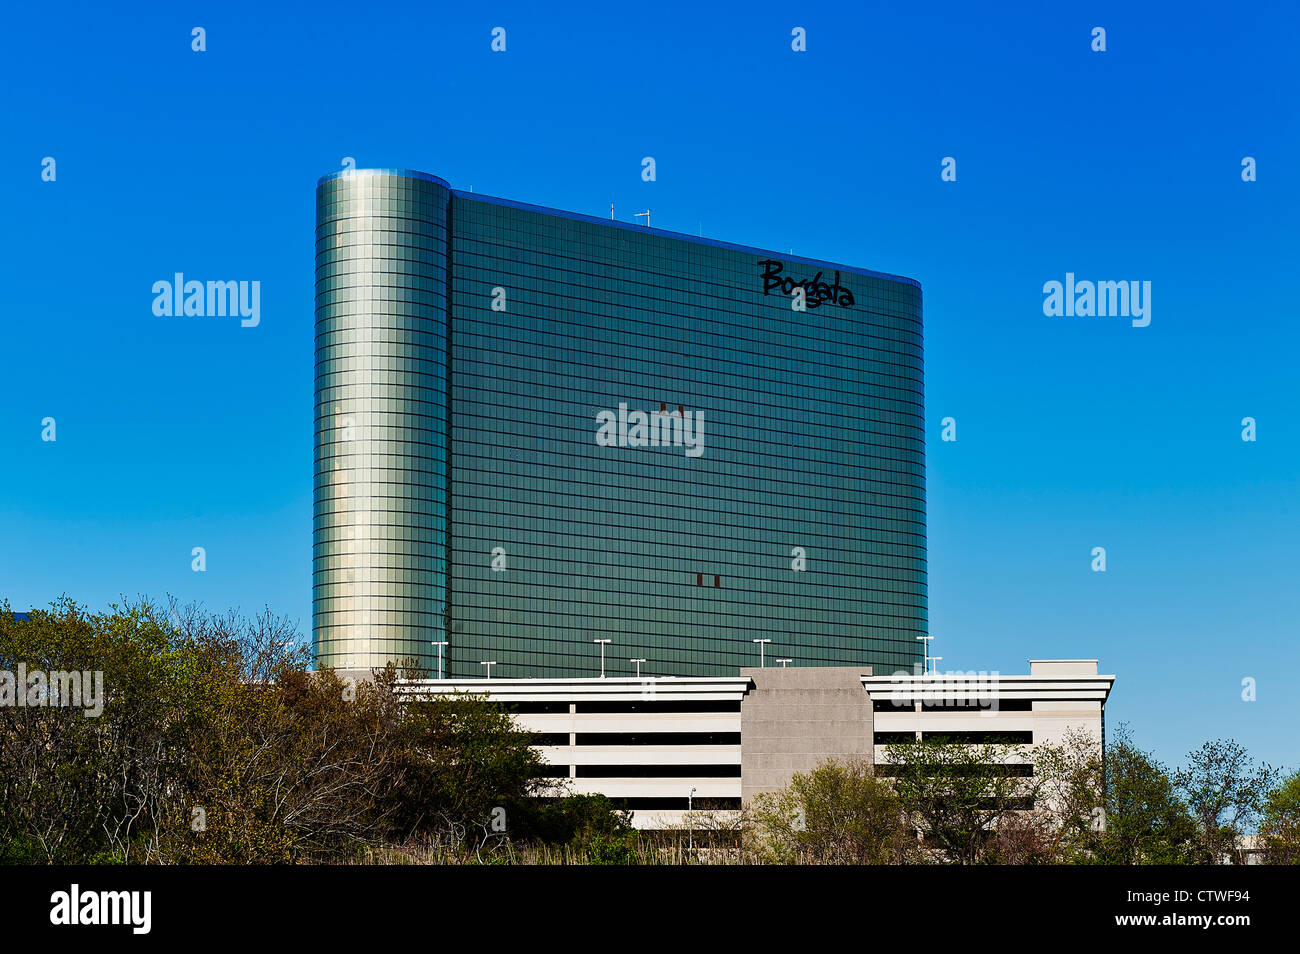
pixel 380 534
pixel 536 429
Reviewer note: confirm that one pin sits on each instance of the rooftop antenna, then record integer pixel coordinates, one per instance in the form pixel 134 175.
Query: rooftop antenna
pixel 611 211
pixel 646 213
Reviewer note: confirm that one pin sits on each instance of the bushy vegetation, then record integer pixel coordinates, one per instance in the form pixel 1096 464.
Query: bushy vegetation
pixel 216 745
pixel 839 813
pixel 958 804
pixel 1280 830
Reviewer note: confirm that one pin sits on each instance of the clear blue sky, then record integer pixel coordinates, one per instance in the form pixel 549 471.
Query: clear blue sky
pixel 1072 432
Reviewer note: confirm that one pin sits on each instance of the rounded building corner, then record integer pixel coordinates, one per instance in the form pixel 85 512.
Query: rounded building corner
pixel 394 173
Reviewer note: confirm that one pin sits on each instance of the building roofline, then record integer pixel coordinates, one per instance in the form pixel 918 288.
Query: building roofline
pixel 401 173
pixel 628 226
pixel 687 237
pixel 991 676
pixel 1063 687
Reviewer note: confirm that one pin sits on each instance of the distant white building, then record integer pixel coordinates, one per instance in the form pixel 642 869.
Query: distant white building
pixel 661 745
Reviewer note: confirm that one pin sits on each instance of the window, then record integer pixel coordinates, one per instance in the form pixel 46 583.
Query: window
pixel 703 705
pixel 888 738
pixel 889 705
pixel 658 738
pixel 994 705
pixel 658 771
pixel 981 738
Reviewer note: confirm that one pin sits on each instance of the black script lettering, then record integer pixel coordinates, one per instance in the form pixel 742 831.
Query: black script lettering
pixel 816 291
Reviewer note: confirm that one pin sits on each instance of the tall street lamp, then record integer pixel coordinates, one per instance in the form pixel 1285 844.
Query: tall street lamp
pixel 603 643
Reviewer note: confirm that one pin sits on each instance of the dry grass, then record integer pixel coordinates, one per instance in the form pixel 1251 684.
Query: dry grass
pixel 645 853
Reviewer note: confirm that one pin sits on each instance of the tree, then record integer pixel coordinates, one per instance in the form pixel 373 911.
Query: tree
pixel 957 794
pixel 575 819
pixel 1226 795
pixel 467 772
pixel 216 745
pixel 1280 830
pixel 80 785
pixel 1068 812
pixel 1144 821
pixel 839 813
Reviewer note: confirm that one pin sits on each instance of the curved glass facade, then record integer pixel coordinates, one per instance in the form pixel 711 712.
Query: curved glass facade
pixel 785 501
pixel 380 534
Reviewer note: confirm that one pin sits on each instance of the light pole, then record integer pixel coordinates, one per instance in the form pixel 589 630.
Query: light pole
pixel 489 663
pixel 440 646
pixel 603 643
pixel 690 819
pixel 784 661
pixel 638 665
pixel 762 663
pixel 925 648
